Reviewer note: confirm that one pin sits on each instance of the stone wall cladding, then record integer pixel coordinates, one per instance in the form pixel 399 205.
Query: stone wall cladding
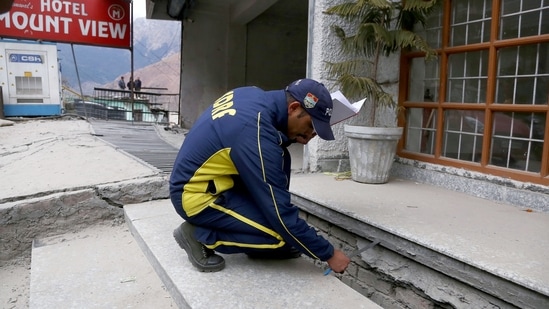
pixel 494 188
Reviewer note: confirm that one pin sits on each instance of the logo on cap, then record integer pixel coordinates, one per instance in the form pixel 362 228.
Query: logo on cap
pixel 310 100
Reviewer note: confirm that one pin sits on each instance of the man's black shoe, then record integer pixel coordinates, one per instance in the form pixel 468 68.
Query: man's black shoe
pixel 283 253
pixel 202 258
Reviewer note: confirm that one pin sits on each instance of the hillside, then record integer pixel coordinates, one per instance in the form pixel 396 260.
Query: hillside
pixel 154 41
pixel 162 74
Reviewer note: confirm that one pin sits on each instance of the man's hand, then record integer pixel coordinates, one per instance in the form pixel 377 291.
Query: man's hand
pixel 339 261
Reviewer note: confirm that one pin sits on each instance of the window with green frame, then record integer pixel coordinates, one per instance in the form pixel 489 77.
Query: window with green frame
pixel 483 103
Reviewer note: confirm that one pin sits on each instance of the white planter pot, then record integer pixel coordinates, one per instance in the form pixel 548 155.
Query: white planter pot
pixel 371 152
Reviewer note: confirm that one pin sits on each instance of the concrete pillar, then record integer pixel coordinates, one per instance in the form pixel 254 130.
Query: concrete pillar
pixel 213 57
pixel 323 155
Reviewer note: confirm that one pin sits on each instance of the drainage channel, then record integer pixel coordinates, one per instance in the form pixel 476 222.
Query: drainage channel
pixel 140 140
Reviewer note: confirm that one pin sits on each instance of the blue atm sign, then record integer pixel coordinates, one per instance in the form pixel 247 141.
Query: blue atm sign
pixel 26 58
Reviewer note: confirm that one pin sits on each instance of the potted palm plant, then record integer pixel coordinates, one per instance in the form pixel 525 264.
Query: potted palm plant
pixel 376 30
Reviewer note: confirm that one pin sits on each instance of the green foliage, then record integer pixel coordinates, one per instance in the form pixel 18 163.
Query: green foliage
pixel 378 28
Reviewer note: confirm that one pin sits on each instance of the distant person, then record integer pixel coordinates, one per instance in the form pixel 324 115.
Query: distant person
pixel 130 84
pixel 137 84
pixel 122 83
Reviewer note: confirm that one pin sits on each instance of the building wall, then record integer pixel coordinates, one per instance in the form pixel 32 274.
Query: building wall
pixel 323 155
pixel 221 51
pixel 276 48
pixel 208 52
pixel 332 156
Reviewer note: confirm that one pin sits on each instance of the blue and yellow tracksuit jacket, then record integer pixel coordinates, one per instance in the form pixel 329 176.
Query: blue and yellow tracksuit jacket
pixel 232 173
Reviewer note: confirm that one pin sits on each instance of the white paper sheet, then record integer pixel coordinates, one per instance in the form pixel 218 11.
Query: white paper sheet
pixel 343 109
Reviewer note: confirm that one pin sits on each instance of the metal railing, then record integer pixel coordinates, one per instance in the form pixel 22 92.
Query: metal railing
pixel 136 106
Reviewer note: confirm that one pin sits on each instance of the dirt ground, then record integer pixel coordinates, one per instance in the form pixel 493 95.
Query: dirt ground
pixel 113 237
pixel 15 275
pixel 14 291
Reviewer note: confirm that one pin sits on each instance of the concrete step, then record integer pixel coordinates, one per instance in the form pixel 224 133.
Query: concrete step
pixel 99 267
pixel 484 253
pixel 244 283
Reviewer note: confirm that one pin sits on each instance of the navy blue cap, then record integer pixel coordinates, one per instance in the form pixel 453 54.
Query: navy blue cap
pixel 317 101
